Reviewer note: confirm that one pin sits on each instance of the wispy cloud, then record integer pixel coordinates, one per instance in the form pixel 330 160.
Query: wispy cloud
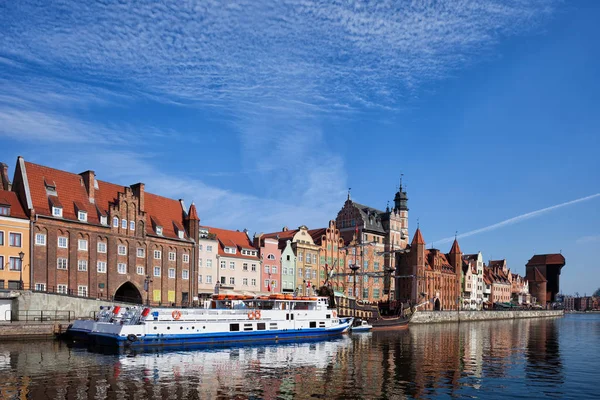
pixel 519 218
pixel 589 239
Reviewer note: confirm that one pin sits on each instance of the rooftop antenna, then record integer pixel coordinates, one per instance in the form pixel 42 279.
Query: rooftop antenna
pixel 401 175
pixel 349 189
pixel 455 234
pixel 418 225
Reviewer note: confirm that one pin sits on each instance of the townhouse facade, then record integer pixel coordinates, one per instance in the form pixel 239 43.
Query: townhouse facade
pixel 15 265
pixel 97 239
pixel 208 248
pixel 332 256
pixel 473 284
pixel 238 261
pixel 270 255
pixel 288 266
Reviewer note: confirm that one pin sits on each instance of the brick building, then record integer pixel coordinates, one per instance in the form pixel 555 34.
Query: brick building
pixel 543 274
pixel 332 256
pixel 430 275
pixel 98 239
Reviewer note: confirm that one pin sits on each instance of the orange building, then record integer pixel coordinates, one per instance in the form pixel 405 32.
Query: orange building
pixel 14 243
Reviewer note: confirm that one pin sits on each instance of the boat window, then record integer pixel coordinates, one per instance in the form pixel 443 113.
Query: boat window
pixel 313 324
pixel 260 326
pixel 234 327
pixel 273 325
pixel 248 327
pixel 322 324
pixel 287 316
pixel 328 316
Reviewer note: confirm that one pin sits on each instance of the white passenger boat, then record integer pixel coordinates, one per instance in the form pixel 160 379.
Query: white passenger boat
pixel 230 318
pixel 361 326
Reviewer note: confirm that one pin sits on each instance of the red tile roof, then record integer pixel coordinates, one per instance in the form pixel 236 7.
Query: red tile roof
pixel 282 236
pixel 317 234
pixel 546 259
pixel 237 239
pixel 72 195
pixel 418 238
pixel 455 248
pixel 10 199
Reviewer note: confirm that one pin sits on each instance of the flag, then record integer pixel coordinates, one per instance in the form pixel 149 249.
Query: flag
pixel 269 286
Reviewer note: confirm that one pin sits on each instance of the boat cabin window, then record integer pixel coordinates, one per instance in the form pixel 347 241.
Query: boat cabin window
pixel 234 327
pixel 248 327
pixel 260 326
pixel 273 325
pixel 312 324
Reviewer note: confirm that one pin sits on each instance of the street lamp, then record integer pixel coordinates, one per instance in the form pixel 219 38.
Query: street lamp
pixel 21 256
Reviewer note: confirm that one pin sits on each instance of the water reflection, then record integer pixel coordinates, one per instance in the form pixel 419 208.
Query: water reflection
pixel 486 359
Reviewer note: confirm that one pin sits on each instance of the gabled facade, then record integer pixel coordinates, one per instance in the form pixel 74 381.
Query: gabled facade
pixel 14 242
pixel 332 256
pixel 430 276
pixel 238 261
pixel 473 284
pixel 270 256
pixel 97 239
pixel 288 267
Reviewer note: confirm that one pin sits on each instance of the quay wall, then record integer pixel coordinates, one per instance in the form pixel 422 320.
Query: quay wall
pixel 29 304
pixel 431 317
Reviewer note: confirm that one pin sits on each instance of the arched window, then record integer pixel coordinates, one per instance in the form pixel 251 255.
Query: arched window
pixel 115 222
pixel 271 257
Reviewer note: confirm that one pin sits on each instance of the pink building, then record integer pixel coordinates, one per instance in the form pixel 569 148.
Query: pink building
pixel 270 255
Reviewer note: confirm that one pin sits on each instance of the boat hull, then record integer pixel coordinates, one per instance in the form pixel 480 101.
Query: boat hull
pixel 389 324
pixel 132 341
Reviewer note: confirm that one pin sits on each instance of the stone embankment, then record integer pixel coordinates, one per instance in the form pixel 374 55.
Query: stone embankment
pixel 431 317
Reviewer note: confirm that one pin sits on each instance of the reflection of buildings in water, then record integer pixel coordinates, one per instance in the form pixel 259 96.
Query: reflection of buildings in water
pixel 544 366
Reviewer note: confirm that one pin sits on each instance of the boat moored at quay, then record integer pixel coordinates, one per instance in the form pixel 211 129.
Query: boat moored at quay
pixel 229 318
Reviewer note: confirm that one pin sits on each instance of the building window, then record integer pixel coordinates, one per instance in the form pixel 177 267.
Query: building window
pixel 300 256
pixel 199 247
pixel 284 271
pixel 1 263
pixel 14 239
pixel 4 210
pixel 115 222
pixel 232 280
pixel 245 281
pixel 103 220
pixel 123 224
pixel 208 278
pixel 82 245
pixel 40 287
pixel 139 270
pixel 209 249
pixel 253 268
pixel 266 283
pixel 63 242
pixel 82 265
pixel 223 265
pixel 200 262
pixel 82 216
pixel 223 280
pixel 132 225
pixel 82 291
pixel 40 239
pixel 64 289
pixel 61 263
pixel 57 211
pixel 231 264
pixel 171 256
pixel 271 257
pixel 101 267
pixel 1 238
pixel 253 282
pixel 245 266
pixel 171 273
pixel 308 258
pixel 159 230
pixel 122 250
pixel 200 279
pixel 156 271
pixel 15 264
pixel 122 268
pixel 140 252
pixel 181 234
pixel 273 269
pixel 209 263
pixel 186 258
pixel 185 274
pixel 157 254
pixel 267 269
pixel 101 247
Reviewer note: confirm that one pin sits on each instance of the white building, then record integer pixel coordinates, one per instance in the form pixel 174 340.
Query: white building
pixel 473 283
pixel 208 249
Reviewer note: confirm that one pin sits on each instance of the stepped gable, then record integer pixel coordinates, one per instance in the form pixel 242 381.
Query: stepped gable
pixel 237 239
pixel 11 200
pixel 49 185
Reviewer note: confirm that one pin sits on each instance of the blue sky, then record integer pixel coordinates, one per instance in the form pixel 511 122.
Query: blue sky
pixel 264 114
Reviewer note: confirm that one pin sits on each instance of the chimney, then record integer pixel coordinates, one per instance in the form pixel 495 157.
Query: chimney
pixel 4 181
pixel 285 229
pixel 138 191
pixel 88 180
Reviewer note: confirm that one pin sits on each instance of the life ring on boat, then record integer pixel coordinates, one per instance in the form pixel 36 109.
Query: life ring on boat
pixel 334 313
pixel 131 337
pixel 176 315
pixel 251 315
pixel 257 314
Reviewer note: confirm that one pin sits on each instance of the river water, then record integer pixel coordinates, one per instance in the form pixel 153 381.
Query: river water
pixel 530 358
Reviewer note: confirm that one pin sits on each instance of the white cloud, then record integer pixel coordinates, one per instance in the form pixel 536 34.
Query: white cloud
pixel 589 239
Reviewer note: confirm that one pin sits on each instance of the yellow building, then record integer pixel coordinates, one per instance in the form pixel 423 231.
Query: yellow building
pixel 14 243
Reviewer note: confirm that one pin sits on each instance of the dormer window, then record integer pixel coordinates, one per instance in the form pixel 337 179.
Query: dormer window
pixel 57 211
pixel 159 230
pixel 103 220
pixel 181 234
pixel 230 250
pixel 4 210
pixel 82 216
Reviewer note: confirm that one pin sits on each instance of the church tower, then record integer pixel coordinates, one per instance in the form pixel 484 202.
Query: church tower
pixel 401 212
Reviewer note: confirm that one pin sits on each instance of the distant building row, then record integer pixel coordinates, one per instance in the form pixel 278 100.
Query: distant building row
pixel 77 235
